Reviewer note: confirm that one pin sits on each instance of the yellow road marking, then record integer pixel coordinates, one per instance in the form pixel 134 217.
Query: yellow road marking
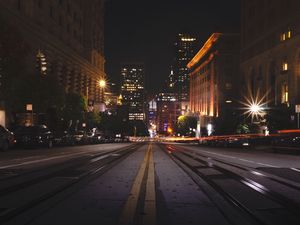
pixel 150 198
pixel 129 210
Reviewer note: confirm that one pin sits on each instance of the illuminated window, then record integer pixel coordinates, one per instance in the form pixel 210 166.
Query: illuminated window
pixel 286 35
pixel 284 93
pixel 41 63
pixel 282 37
pixel 289 34
pixel 285 66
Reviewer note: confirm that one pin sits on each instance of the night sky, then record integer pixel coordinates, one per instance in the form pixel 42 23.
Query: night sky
pixel 145 31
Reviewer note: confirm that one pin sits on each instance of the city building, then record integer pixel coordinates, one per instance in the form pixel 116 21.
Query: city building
pixel 111 102
pixel 62 38
pixel 214 79
pixel 152 117
pixel 168 111
pixel 270 52
pixel 171 82
pixel 132 90
pixel 185 47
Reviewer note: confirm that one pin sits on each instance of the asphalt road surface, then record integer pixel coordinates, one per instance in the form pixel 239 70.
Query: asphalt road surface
pixel 149 183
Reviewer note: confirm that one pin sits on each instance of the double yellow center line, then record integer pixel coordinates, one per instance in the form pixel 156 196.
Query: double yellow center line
pixel 129 210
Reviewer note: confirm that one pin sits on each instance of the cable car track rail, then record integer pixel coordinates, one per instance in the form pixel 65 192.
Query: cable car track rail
pixel 187 162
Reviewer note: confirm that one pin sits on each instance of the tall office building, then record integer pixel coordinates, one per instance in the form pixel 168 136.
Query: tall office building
pixel 62 38
pixel 170 82
pixel 152 117
pixel 270 54
pixel 133 91
pixel 214 78
pixel 184 51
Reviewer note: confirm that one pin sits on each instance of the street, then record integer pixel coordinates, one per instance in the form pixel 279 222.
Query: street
pixel 149 183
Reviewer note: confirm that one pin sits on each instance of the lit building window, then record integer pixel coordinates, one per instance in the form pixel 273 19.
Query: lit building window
pixel 41 63
pixel 286 35
pixel 285 66
pixel 282 37
pixel 289 34
pixel 284 93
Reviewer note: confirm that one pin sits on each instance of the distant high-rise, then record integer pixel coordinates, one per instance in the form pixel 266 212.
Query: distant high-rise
pixel 170 82
pixel 168 110
pixel 184 51
pixel 132 90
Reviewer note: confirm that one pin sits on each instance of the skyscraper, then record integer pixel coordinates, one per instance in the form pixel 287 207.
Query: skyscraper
pixel 132 90
pixel 184 51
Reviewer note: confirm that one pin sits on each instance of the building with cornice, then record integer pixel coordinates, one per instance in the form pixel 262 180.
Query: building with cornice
pixel 270 53
pixel 214 74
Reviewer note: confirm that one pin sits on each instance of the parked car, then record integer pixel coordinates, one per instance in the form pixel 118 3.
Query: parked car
pixel 63 138
pixel 7 138
pixel 34 136
pixel 237 142
pixel 80 137
pixel 96 137
pixel 287 140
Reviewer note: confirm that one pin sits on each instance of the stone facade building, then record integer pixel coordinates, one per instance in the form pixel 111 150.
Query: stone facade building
pixel 65 37
pixel 270 54
pixel 214 74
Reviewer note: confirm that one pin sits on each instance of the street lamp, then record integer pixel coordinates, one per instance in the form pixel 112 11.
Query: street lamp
pixel 102 83
pixel 255 110
pixel 254 107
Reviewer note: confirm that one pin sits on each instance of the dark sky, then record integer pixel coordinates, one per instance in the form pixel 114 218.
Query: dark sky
pixel 145 30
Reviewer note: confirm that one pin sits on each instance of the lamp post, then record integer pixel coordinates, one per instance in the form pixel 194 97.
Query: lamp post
pixel 102 85
pixel 255 110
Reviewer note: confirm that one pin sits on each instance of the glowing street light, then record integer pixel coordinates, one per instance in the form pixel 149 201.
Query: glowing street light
pixel 254 107
pixel 102 83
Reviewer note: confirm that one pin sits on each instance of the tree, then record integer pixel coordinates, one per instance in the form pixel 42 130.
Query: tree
pixel 93 119
pixel 228 122
pixel 185 124
pixel 74 109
